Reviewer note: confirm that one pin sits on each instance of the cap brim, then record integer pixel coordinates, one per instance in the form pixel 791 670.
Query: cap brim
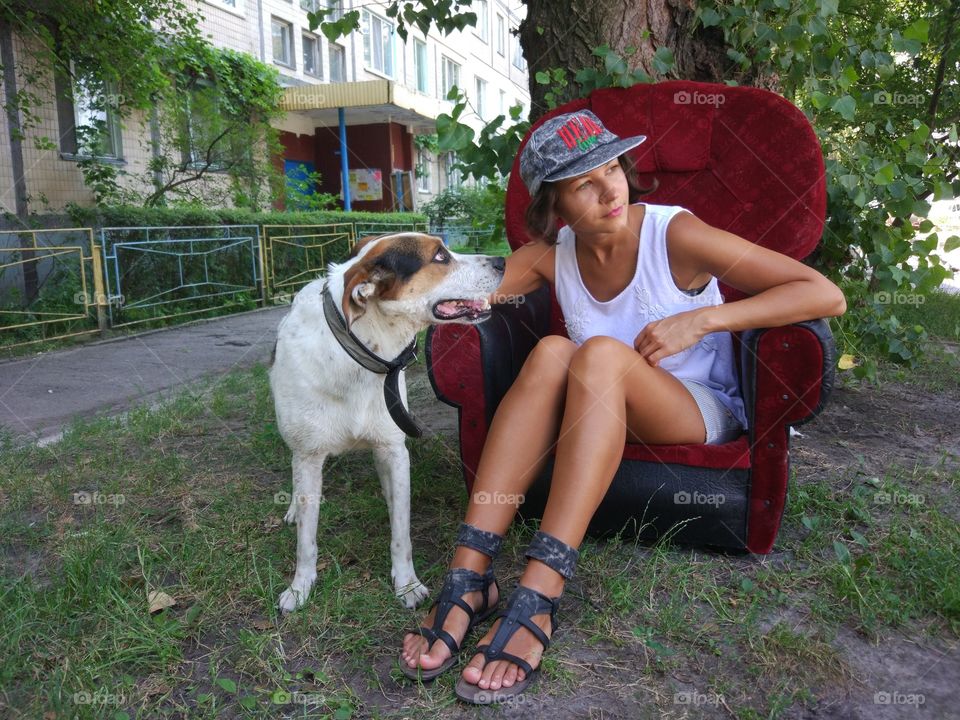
pixel 593 160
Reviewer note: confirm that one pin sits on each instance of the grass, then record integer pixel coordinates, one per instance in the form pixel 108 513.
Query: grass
pixel 183 500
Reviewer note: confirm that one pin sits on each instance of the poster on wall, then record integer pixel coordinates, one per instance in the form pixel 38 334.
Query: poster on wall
pixel 366 184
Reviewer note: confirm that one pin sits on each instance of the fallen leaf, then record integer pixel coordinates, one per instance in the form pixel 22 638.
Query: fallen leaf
pixel 159 600
pixel 846 362
pixel 262 624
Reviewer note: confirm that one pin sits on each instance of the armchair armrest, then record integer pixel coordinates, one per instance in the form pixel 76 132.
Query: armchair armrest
pixel 471 367
pixel 787 376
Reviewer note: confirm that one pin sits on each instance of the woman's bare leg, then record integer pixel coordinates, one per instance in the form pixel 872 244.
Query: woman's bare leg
pixel 612 393
pixel 523 431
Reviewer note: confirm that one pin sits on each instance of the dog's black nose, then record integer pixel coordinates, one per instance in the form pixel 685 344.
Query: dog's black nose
pixel 498 263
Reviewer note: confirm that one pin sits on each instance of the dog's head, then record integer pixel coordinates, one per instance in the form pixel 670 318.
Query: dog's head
pixel 415 276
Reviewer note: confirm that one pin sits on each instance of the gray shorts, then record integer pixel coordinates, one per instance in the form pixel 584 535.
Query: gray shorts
pixel 722 426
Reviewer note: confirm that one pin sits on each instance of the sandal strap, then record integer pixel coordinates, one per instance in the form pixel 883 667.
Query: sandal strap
pixel 504 655
pixel 457 582
pixel 524 603
pixel 480 540
pixel 553 553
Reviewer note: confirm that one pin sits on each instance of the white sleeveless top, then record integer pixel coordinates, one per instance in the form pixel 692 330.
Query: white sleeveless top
pixel 651 295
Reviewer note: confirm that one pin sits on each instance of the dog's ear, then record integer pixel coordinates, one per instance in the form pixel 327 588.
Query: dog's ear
pixel 361 282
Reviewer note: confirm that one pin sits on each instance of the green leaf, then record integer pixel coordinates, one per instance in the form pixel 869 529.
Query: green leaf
pixel 747 585
pixel 710 17
pixel 884 175
pixel 843 554
pixel 846 106
pixel 919 31
pixel 248 702
pixel 820 100
pixel 227 684
pixel 952 243
pixel 828 8
pixel 343 713
pixel 542 77
pixel 663 60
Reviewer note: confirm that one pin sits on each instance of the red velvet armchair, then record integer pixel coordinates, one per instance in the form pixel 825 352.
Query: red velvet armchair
pixel 742 159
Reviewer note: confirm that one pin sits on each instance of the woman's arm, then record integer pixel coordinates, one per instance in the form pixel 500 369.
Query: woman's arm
pixel 782 290
pixel 527 268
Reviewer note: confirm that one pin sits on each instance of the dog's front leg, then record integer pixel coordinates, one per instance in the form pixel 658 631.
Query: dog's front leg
pixel 393 467
pixel 308 498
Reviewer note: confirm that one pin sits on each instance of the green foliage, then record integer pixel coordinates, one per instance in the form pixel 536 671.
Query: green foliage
pixel 445 15
pixel 871 80
pixel 214 106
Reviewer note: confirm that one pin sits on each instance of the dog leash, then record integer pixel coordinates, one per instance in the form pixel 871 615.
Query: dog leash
pixel 374 363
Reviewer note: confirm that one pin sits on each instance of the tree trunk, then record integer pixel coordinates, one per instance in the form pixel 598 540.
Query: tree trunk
pixel 563 35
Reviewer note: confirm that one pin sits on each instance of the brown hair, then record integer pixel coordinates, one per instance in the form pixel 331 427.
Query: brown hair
pixel 541 215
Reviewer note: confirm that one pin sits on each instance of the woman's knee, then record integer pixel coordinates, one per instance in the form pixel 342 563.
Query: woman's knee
pixel 549 361
pixel 603 360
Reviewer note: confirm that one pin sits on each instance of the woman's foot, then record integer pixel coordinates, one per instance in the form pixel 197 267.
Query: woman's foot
pixel 497 674
pixel 417 650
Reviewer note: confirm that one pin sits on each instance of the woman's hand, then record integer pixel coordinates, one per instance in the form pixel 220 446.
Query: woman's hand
pixel 672 334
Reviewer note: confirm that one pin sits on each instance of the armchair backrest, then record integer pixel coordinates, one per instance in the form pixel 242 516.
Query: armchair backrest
pixel 740 158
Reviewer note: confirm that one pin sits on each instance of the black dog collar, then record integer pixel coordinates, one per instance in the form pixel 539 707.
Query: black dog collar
pixel 374 363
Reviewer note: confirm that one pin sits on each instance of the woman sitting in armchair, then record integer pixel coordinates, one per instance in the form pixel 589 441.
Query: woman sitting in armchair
pixel 649 359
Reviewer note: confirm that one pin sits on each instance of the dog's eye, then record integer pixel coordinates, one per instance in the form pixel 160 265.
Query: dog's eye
pixel 441 257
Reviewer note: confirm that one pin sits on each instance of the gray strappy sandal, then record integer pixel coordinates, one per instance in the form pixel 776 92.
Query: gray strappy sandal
pixel 456 583
pixel 523 604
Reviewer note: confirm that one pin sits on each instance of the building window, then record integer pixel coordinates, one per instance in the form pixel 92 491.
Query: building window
pixel 421 66
pixel 309 5
pixel 454 176
pixel 481 98
pixel 235 4
pixel 282 32
pixel 502 110
pixel 90 121
pixel 519 61
pixel 338 63
pixel 423 171
pixel 501 35
pixel 336 10
pixel 377 43
pixel 312 64
pixel 450 72
pixel 483 19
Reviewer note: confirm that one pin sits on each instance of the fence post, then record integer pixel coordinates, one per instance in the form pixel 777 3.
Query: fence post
pixel 99 287
pixel 262 247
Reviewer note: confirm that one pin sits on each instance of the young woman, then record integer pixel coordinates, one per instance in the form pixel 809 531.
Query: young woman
pixel 649 360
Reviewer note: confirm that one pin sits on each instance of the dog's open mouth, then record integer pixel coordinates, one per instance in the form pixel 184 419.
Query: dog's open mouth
pixel 457 309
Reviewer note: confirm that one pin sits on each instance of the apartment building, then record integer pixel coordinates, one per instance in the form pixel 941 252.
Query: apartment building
pixel 353 107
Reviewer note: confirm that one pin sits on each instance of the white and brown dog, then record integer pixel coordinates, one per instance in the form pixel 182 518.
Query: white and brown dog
pixel 337 377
